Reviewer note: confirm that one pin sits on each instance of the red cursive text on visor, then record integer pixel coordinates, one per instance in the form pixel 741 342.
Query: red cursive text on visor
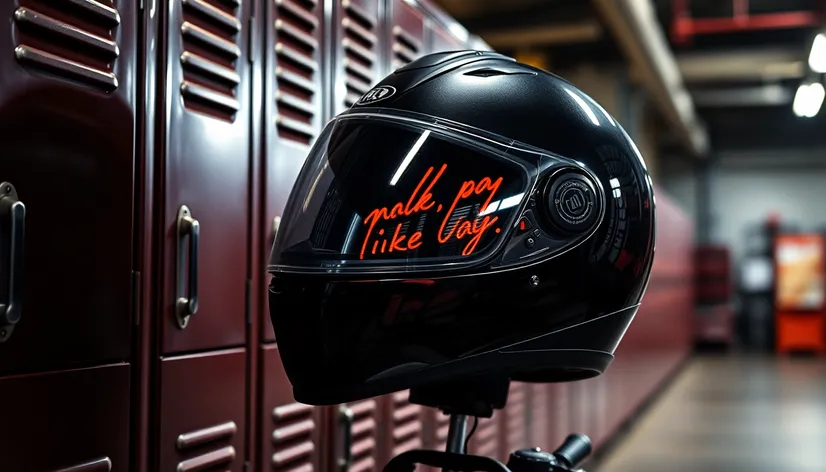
pixel 421 200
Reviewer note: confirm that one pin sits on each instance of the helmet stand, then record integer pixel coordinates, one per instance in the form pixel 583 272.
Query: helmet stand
pixel 479 398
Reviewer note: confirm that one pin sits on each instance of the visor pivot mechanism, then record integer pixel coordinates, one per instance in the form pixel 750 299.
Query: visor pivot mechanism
pixel 570 201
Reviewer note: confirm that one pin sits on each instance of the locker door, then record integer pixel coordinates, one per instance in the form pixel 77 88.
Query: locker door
pixel 291 433
pixel 203 412
pixel 440 39
pixel 615 398
pixel 438 426
pixel 485 441
pixel 67 121
pixel 206 162
pixel 293 103
pixel 406 26
pixel 59 420
pixel 560 417
pixel 357 439
pixel 356 58
pixel 598 404
pixel 539 417
pixel 407 423
pixel 581 408
pixel 515 419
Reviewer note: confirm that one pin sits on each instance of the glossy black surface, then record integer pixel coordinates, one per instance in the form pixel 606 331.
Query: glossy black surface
pixel 344 337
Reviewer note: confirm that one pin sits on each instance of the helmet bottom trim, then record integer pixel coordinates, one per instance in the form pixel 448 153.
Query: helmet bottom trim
pixel 554 355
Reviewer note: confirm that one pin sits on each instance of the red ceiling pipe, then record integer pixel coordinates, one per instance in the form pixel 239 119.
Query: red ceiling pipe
pixel 741 9
pixel 800 19
pixel 684 27
pixel 681 18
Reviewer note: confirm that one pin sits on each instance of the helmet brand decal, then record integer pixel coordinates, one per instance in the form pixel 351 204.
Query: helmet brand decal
pixel 377 94
pixel 460 225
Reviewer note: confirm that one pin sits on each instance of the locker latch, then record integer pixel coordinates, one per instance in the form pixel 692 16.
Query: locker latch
pixel 186 300
pixel 12 232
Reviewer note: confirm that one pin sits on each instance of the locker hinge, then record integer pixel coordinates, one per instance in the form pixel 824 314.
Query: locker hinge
pixel 248 297
pixel 136 298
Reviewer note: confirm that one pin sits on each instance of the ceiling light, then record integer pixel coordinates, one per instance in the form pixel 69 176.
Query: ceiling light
pixel 808 99
pixel 817 57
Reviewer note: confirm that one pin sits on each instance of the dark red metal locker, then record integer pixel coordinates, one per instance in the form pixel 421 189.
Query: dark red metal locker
pixel 580 408
pixel 67 124
pixel 486 439
pixel 436 429
pixel 434 436
pixel 406 426
pixel 291 437
pixel 358 430
pixel 440 39
pixel 560 416
pixel 205 161
pixel 406 27
pixel 615 398
pixel 294 97
pixel 515 420
pixel 74 418
pixel 539 416
pixel 202 411
pixel 598 400
pixel 356 61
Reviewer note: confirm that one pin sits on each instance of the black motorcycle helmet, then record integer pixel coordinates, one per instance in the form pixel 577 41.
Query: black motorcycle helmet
pixel 469 216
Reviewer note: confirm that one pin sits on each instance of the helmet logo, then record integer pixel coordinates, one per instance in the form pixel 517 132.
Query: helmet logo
pixel 377 94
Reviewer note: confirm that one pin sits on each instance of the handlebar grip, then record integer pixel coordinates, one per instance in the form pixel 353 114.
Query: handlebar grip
pixel 574 450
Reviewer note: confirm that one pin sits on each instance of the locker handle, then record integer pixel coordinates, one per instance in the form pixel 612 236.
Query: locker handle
pixel 346 416
pixel 187 300
pixel 11 311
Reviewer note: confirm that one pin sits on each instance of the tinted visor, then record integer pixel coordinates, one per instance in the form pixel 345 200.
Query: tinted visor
pixel 381 194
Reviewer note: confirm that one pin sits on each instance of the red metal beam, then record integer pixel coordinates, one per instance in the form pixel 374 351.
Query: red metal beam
pixel 684 27
pixel 802 19
pixel 740 8
pixel 680 12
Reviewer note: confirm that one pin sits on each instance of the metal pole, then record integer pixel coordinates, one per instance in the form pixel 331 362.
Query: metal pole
pixel 456 434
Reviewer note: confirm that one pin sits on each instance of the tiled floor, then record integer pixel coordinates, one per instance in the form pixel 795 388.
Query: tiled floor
pixel 732 414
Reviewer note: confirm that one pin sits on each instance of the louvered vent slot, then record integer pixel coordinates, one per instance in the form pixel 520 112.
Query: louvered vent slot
pixel 516 416
pixel 296 44
pixel 209 438
pixel 486 437
pixel 407 424
pixel 73 39
pixel 364 436
pixel 99 465
pixel 211 32
pixel 292 437
pixel 406 47
pixel 359 44
pixel 442 428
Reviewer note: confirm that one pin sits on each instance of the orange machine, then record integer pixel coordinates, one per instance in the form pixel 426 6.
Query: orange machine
pixel 800 292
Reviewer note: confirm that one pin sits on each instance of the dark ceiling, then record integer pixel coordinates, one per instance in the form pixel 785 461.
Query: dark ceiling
pixel 752 124
pixel 744 60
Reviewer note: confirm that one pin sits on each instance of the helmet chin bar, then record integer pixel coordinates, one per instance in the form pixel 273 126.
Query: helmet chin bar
pixel 479 397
